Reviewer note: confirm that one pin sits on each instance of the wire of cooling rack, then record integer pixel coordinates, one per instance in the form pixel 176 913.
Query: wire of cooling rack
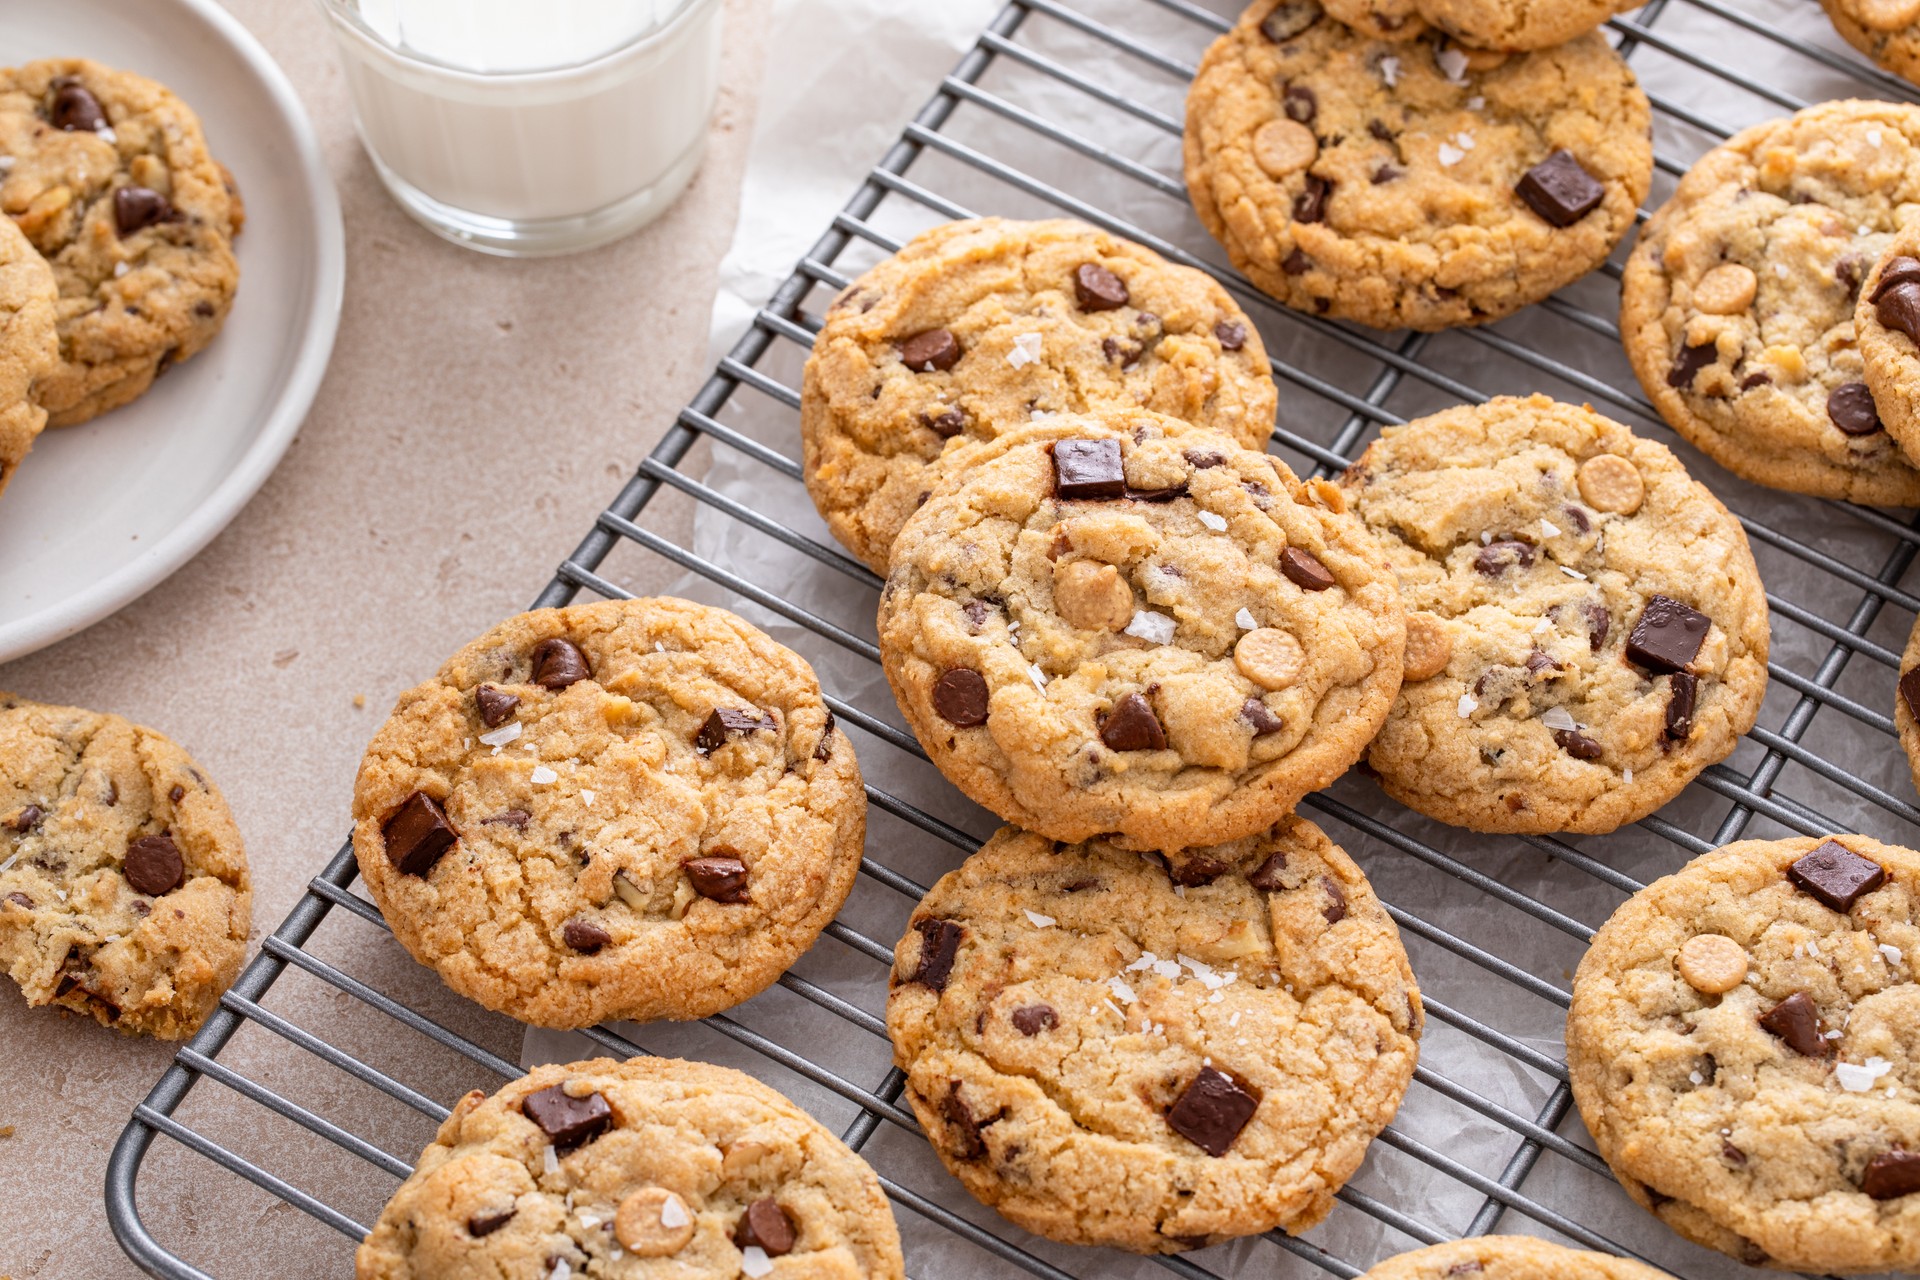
pixel 1317 362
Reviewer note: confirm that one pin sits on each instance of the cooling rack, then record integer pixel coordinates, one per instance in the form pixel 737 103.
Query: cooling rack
pixel 1074 108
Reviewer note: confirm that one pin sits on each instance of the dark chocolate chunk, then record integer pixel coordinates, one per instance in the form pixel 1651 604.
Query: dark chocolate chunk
pixel 1891 1174
pixel 585 935
pixel 1097 289
pixel 1167 494
pixel 1384 174
pixel 1300 103
pixel 20 899
pixel 1378 128
pixel 718 877
pixel 1304 570
pixel 485 1224
pixel 495 704
pixel 1909 692
pixel 1202 459
pixel 1194 870
pixel 1289 19
pixel 1797 1022
pixel 27 819
pixel 1732 1154
pixel 1836 876
pixel 1336 908
pixel 1264 722
pixel 929 350
pixel 1684 691
pixel 1688 362
pixel 1577 744
pixel 1311 204
pixel 947 424
pixel 1540 663
pixel 729 722
pixel 1668 635
pixel 1124 354
pixel 1753 380
pixel 1212 1110
pixel 823 750
pixel 1501 555
pixel 176 794
pixel 1898 271
pixel 558 663
pixel 1088 469
pixel 1578 517
pixel 137 208
pixel 1132 726
pixel 416 834
pixel 153 865
pixel 1850 408
pixel 765 1224
pixel 960 696
pixel 1599 622
pixel 1560 189
pixel 74 109
pixel 1032 1019
pixel 1232 335
pixel 939 944
pixel 965 1125
pixel 568 1122
pixel 1899 309
pixel 515 818
pixel 1296 263
pixel 1267 877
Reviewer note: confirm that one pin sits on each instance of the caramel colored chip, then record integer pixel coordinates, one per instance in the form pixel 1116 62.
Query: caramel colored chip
pixel 1429 647
pixel 1712 963
pixel 1269 657
pixel 652 1223
pixel 1092 595
pixel 1282 147
pixel 1611 483
pixel 1728 289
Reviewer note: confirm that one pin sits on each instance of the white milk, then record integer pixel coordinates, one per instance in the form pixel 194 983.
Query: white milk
pixel 532 126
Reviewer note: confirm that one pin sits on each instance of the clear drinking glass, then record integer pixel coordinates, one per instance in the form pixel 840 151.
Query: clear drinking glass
pixel 531 127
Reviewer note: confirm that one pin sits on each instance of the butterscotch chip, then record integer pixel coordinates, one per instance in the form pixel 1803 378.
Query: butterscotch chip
pixel 653 1222
pixel 1611 483
pixel 1269 657
pixel 1712 962
pixel 1726 290
pixel 1429 647
pixel 1282 147
pixel 1092 595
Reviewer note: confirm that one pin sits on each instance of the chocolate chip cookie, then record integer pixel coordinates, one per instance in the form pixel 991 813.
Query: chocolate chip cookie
pixel 1161 639
pixel 1509 1258
pixel 1886 321
pixel 1888 31
pixel 1906 702
pixel 1737 306
pixel 977 327
pixel 108 175
pixel 1741 1048
pixel 1586 629
pixel 1411 184
pixel 29 348
pixel 123 883
pixel 1154 1053
pixel 632 809
pixel 651 1167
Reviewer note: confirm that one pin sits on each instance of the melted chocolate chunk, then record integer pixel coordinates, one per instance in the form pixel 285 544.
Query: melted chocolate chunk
pixel 1796 1021
pixel 1311 204
pixel 1212 1110
pixel 1032 1019
pixel 1194 870
pixel 1304 570
pixel 1684 695
pixel 1688 362
pixel 929 350
pixel 27 819
pixel 568 1122
pixel 1501 555
pixel 1899 270
pixel 1300 103
pixel 1202 459
pixel 1289 19
pixel 416 834
pixel 137 208
pixel 1124 354
pixel 1560 189
pixel 515 818
pixel 485 1224
pixel 965 1125
pixel 1088 469
pixel 74 109
pixel 960 697
pixel 1577 744
pixel 1232 335
pixel 766 1224
pixel 20 900
pixel 1909 693
pixel 729 722
pixel 495 705
pixel 1836 876
pixel 947 424
pixel 1132 726
pixel 1668 636
pixel 1891 1174
pixel 717 877
pixel 1264 722
pixel 823 750
pixel 584 936
pixel 939 944
pixel 1899 308
pixel 1097 289
pixel 1268 876
pixel 1850 408
pixel 1336 908
pixel 558 663
pixel 1296 263
pixel 1599 622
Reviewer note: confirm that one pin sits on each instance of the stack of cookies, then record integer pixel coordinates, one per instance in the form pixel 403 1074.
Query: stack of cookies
pixel 116 255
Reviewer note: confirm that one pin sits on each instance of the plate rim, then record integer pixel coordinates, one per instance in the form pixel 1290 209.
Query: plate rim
pixel 281 422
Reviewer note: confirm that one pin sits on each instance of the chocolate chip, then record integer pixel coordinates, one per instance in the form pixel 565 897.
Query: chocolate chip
pixel 1891 1174
pixel 1268 876
pixel 416 834
pixel 1304 570
pixel 1289 19
pixel 1378 128
pixel 1032 1019
pixel 1685 691
pixel 1581 521
pixel 495 704
pixel 1204 459
pixel 1599 622
pixel 27 819
pixel 153 865
pixel 1850 407
pixel 1849 271
pixel 137 208
pixel 729 722
pixel 1296 263
pixel 930 349
pixel 1124 354
pixel 1195 869
pixel 1899 309
pixel 1300 103
pixel 74 109
pixel 947 425
pixel 568 1122
pixel 1909 691
pixel 1753 380
pixel 1264 722
pixel 1132 726
pixel 765 1224
pixel 1501 555
pixel 823 750
pixel 1732 1154
pixel 485 1224
pixel 515 818
pixel 1212 1110
pixel 1577 744
pixel 1898 271
pixel 176 794
pixel 1336 908
pixel 1088 469
pixel 1836 876
pixel 1097 289
pixel 1797 1022
pixel 1311 204
pixel 718 877
pixel 965 1125
pixel 960 696
pixel 1560 190
pixel 1384 174
pixel 584 935
pixel 1232 335
pixel 1539 662
pixel 939 944
pixel 1690 361
pixel 1668 635
pixel 558 663
pixel 20 899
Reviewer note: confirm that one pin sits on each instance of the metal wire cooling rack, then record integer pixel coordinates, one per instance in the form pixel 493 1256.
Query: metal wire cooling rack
pixel 1073 106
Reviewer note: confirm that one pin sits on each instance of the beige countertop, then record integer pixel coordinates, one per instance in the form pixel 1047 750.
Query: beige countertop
pixel 476 415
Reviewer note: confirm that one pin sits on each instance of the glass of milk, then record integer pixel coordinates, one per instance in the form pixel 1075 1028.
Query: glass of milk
pixel 531 127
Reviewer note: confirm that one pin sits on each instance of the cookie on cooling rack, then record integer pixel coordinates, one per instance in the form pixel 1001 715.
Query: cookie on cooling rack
pixel 1737 307
pixel 652 1166
pixel 1886 321
pixel 1586 630
pixel 29 347
pixel 978 327
pixel 1741 1047
pixel 108 175
pixel 631 809
pixel 1906 702
pixel 1509 25
pixel 1163 639
pixel 1888 31
pixel 1411 184
pixel 1509 1258
pixel 123 883
pixel 1154 1053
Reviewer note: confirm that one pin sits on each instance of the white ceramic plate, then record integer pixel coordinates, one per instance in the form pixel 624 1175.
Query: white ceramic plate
pixel 100 513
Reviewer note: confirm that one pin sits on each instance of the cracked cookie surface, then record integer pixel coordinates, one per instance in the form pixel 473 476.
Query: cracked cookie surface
pixel 1548 688
pixel 29 346
pixel 1737 305
pixel 1411 184
pixel 1506 25
pixel 1166 638
pixel 1740 1046
pixel 109 177
pixel 123 883
pixel 632 809
pixel 1509 1258
pixel 1154 1053
pixel 648 1168
pixel 978 327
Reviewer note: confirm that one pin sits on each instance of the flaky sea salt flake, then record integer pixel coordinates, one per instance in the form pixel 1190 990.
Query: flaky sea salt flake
pixel 1549 528
pixel 1040 921
pixel 1860 1077
pixel 1121 990
pixel 755 1262
pixel 1558 718
pixel 1154 628
pixel 673 1213
pixel 543 775
pixel 500 737
pixel 1390 70
pixel 1245 619
pixel 1468 705
pixel 1450 155
pixel 1891 953
pixel 1026 350
pixel 1217 523
pixel 1453 64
